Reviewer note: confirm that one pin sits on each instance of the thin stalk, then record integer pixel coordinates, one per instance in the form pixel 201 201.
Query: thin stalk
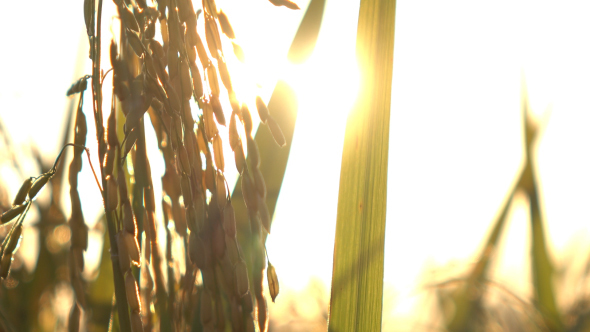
pixel 120 295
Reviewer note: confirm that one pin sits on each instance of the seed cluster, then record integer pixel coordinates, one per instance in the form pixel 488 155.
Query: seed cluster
pixel 79 230
pixel 160 79
pixel 20 206
pixel 22 203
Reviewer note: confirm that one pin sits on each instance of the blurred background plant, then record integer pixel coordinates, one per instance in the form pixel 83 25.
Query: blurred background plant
pixel 450 166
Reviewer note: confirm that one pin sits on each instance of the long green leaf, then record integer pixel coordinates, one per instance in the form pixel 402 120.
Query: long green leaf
pixel 541 267
pixel 357 277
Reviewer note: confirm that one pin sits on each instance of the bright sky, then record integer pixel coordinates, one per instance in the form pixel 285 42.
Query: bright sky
pixel 456 127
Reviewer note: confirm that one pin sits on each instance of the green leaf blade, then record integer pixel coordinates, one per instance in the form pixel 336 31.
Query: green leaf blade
pixel 357 277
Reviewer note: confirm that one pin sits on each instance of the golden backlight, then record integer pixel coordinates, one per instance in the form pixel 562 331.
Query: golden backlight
pixel 456 139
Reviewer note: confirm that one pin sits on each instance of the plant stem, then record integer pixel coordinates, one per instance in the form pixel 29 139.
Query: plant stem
pixel 120 295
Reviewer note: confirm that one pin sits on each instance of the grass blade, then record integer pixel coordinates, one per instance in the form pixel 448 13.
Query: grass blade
pixel 541 267
pixel 357 277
